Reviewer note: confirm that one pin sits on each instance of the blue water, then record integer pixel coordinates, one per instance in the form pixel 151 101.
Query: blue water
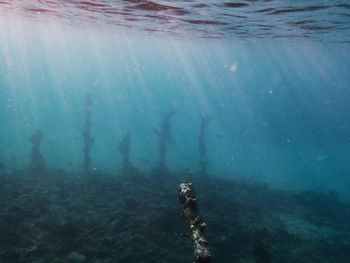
pixel 280 103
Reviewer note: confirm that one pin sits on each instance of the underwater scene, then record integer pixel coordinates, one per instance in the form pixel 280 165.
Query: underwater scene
pixel 174 131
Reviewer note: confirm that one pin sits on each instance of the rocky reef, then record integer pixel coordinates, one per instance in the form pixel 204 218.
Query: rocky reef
pixel 73 218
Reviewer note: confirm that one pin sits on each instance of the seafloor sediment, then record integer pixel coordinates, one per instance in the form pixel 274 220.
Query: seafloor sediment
pixel 59 217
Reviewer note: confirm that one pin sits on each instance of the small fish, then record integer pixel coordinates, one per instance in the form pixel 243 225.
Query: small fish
pixel 220 136
pixel 157 131
pixel 185 235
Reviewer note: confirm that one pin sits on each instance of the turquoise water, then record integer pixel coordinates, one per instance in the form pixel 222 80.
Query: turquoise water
pixel 280 106
pixel 270 77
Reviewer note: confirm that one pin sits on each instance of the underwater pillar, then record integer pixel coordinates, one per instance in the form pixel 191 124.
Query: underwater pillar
pixel 203 160
pixel 125 149
pixel 164 136
pixel 187 197
pixel 87 134
pixel 37 161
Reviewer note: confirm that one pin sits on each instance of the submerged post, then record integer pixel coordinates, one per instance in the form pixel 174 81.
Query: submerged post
pixel 125 149
pixel 88 139
pixel 187 197
pixel 164 136
pixel 37 161
pixel 203 161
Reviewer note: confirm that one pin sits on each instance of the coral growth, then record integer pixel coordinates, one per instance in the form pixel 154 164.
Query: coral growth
pixel 187 197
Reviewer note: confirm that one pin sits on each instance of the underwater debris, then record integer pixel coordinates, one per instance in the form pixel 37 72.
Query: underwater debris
pixel 187 197
pixel 37 161
pixel 164 135
pixel 88 139
pixel 203 161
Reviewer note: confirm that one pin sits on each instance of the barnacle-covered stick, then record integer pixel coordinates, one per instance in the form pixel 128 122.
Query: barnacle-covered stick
pixel 187 197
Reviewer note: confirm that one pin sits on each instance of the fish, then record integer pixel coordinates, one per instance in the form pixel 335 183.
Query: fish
pixel 220 136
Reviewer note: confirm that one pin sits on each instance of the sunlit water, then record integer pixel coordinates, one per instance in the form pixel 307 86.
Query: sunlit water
pixel 327 19
pixel 273 74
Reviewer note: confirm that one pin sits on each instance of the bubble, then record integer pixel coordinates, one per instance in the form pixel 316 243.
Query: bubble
pixel 234 67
